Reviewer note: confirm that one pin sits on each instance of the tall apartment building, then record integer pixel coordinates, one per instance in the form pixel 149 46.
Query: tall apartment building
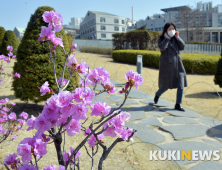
pixel 76 21
pixel 19 32
pixel 101 25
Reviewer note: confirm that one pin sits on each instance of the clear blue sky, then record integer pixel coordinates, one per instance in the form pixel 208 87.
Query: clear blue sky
pixel 17 12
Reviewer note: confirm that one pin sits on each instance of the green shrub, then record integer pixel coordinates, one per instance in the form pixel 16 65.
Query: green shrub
pixel 9 39
pixel 218 74
pixel 70 38
pixel 33 62
pixel 96 50
pixel 138 39
pixel 2 33
pixel 193 63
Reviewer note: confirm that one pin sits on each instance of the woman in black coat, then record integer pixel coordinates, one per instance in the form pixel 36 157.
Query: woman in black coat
pixel 171 70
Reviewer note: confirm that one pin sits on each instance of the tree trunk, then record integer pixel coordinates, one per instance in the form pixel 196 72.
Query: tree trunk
pixel 58 142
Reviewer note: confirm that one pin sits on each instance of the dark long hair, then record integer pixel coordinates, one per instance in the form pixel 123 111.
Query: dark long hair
pixel 166 26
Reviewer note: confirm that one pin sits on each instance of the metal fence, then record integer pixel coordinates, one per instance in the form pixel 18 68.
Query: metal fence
pixel 189 48
pixel 202 49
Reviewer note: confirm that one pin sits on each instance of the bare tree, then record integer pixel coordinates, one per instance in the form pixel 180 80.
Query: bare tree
pixel 185 18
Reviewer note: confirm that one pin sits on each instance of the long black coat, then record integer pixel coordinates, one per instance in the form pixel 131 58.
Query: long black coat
pixel 170 63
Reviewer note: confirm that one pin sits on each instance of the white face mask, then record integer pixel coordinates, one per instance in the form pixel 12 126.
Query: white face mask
pixel 171 33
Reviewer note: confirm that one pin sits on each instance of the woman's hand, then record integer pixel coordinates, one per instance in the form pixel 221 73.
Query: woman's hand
pixel 177 34
pixel 166 35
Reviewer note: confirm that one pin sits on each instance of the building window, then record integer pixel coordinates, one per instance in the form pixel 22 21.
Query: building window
pixel 163 20
pixel 102 19
pixel 123 28
pixel 116 28
pixel 103 27
pixel 103 35
pixel 123 22
pixel 90 29
pixel 156 29
pixel 93 28
pixel 116 20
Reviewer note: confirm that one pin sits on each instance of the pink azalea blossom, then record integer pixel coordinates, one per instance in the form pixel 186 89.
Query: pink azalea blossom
pixel 21 121
pixel 24 150
pixel 17 75
pixel 7 59
pixel 14 136
pixel 31 123
pixel 5 109
pixel 124 116
pixel 68 110
pixel 10 54
pixel 44 88
pixel 99 109
pixel 72 62
pixel 40 148
pixel 14 57
pixel 46 34
pixel 48 16
pixel 74 46
pixel 50 113
pixel 6 100
pixel 13 104
pixel 9 48
pixel 92 140
pixel 64 98
pixel 27 167
pixel 24 115
pixel 1 81
pixel 53 101
pixel 12 116
pixel 110 131
pixel 2 57
pixel 68 154
pixel 42 124
pixel 56 41
pixel 88 82
pixel 11 160
pixel 53 167
pixel 44 138
pixel 84 96
pixel 82 68
pixel 138 80
pixel 107 85
pixel 73 127
pixel 64 81
pixel 99 74
pixel 88 131
pixel 54 19
pixel 2 130
pixel 80 111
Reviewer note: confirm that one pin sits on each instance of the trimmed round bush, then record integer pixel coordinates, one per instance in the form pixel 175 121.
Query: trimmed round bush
pixel 218 74
pixel 9 39
pixel 193 63
pixel 2 33
pixel 33 62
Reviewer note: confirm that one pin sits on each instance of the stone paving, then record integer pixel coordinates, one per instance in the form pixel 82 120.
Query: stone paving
pixel 162 125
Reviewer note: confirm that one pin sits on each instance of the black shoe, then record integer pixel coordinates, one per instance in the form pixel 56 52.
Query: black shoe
pixel 178 107
pixel 156 99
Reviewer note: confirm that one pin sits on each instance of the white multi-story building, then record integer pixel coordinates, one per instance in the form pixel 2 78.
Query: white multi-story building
pixel 101 25
pixel 76 21
pixel 157 21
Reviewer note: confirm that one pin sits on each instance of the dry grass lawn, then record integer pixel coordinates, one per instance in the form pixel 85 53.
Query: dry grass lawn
pixel 200 96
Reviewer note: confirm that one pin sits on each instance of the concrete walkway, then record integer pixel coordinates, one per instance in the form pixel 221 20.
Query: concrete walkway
pixel 168 128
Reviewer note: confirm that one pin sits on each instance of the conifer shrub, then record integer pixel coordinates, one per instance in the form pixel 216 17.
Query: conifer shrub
pixel 33 62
